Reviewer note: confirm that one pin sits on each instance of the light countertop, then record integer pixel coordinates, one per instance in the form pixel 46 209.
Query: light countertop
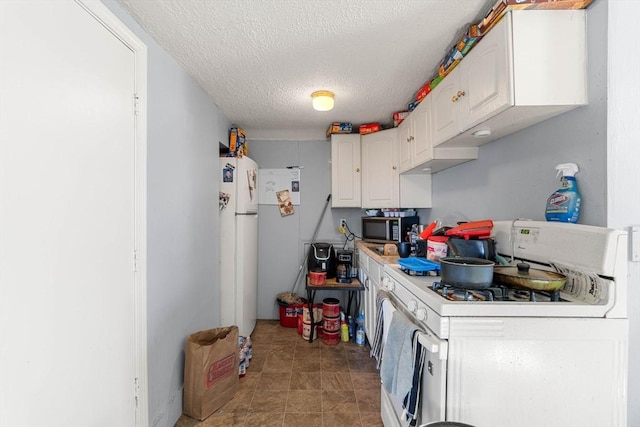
pixel 370 249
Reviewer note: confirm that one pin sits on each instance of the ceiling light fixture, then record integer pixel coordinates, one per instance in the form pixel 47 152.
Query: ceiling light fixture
pixel 322 100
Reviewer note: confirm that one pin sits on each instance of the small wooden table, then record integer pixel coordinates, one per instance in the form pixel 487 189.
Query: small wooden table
pixel 353 289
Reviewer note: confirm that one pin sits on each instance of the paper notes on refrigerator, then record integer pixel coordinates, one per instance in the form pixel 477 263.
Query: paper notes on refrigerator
pixel 284 203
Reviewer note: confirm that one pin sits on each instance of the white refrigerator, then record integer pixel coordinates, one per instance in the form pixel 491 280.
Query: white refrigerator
pixel 239 243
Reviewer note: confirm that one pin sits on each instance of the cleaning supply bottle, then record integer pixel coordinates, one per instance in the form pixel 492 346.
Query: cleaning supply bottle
pixel 360 337
pixel 344 329
pixel 564 204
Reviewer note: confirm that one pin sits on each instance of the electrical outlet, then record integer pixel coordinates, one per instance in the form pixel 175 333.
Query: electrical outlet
pixel 343 223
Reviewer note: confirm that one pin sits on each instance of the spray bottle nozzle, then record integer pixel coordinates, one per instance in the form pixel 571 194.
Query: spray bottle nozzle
pixel 567 169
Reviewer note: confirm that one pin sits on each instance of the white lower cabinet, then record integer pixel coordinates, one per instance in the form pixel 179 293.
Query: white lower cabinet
pixel 371 271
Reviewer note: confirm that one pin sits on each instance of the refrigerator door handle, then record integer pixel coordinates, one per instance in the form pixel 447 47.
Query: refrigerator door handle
pixel 246 213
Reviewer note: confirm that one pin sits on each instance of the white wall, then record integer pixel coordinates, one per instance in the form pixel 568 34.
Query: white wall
pixel 184 130
pixel 623 154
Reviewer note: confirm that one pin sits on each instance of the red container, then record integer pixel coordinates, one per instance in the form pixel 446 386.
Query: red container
pixel 330 307
pixel 289 315
pixel 330 338
pixel 331 324
pixel 317 313
pixel 317 278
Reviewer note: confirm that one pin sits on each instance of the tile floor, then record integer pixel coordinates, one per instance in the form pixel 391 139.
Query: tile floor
pixel 293 383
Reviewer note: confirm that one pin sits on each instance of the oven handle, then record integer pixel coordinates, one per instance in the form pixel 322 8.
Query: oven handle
pixel 428 343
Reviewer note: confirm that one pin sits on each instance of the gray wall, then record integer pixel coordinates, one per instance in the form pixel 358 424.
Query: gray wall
pixel 184 127
pixel 281 240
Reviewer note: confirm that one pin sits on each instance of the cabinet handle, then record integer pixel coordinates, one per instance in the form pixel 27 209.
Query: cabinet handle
pixel 457 96
pixel 395 167
pixel 357 169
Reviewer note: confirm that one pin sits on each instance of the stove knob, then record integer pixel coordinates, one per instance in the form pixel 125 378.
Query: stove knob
pixel 412 305
pixel 421 314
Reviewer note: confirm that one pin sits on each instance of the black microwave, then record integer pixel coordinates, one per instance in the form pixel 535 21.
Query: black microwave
pixel 387 229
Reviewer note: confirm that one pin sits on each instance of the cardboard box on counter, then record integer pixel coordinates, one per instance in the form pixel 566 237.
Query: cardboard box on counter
pixel 501 6
pixel 339 127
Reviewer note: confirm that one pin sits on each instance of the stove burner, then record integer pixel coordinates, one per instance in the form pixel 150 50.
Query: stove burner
pixel 457 294
pixel 521 294
pixel 494 293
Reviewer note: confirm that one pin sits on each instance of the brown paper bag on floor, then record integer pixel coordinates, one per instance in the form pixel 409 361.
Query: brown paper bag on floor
pixel 210 371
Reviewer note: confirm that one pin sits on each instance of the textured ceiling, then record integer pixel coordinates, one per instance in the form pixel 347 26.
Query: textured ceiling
pixel 260 60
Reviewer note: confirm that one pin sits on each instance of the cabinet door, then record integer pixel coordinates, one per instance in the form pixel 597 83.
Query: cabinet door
pixel 405 138
pixel 345 171
pixel 380 174
pixel 421 148
pixel 486 78
pixel 445 112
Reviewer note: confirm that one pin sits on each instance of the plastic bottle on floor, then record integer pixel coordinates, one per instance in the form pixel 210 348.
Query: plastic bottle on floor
pixel 360 336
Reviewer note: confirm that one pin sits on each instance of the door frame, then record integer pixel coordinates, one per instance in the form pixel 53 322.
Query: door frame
pixel 104 16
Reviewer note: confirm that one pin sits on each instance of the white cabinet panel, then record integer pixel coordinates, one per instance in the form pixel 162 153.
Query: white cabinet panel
pixel 380 182
pixel 345 171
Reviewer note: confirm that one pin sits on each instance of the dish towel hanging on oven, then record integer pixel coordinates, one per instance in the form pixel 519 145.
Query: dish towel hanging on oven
pixel 411 401
pixel 384 308
pixel 396 371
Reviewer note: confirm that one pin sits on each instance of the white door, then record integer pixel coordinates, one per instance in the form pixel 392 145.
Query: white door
pixel 67 218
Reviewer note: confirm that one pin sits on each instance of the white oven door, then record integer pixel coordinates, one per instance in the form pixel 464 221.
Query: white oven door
pixel 434 387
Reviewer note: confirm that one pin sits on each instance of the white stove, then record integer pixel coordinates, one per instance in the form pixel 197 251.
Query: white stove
pixel 511 359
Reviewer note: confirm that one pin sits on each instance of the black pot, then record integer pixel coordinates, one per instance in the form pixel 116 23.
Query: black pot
pixel 473 248
pixel 466 272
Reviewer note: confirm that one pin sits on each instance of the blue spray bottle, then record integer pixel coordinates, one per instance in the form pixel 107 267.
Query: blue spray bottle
pixel 564 204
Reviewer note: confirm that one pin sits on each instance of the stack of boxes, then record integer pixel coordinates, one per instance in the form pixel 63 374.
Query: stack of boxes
pixel 465 43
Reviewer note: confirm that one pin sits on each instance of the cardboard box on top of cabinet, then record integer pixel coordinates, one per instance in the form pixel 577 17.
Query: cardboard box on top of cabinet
pixel 399 116
pixel 369 128
pixel 501 6
pixel 238 142
pixel 210 370
pixel 339 127
pixel 465 44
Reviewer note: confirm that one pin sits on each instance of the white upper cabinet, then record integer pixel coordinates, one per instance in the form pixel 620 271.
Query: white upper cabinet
pixel 380 172
pixel 345 171
pixel 530 67
pixel 418 155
